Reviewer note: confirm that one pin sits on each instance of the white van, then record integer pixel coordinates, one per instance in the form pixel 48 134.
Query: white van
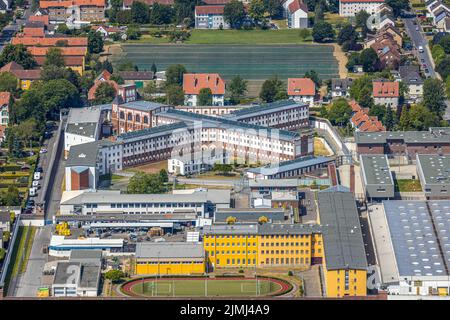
pixel 420 49
pixel 33 191
pixel 37 175
pixel 35 183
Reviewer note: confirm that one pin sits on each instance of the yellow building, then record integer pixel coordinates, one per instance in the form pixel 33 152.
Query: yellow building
pixel 169 258
pixel 231 245
pixel 345 264
pixel 24 77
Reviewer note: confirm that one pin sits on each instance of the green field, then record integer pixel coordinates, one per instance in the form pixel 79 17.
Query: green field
pixel 202 288
pixel 252 62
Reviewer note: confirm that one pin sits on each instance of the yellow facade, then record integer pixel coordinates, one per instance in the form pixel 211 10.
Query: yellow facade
pixel 231 250
pixel 340 283
pixel 169 267
pixel 79 69
pixel 25 84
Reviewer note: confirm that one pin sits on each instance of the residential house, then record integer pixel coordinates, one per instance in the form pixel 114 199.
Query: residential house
pixel 387 51
pixel 74 13
pixel 297 15
pixel 105 76
pixel 51 42
pixel 138 78
pixel 210 17
pixel 35 29
pixel 5 5
pixel 5 99
pixel 301 90
pixel 386 93
pixel 361 120
pixel 349 8
pixel 410 75
pixel 387 29
pixel 74 57
pixel 43 18
pixel 5 221
pixel 439 15
pixel 194 82
pixel 107 31
pixel 341 87
pixel 24 77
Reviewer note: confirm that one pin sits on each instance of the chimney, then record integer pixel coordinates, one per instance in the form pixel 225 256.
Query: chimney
pixel 195 82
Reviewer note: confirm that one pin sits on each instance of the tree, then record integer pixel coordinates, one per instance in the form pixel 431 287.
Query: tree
pixel 2 254
pixel 105 93
pixel 257 10
pixel 140 12
pixel 174 74
pixel 318 13
pixel 347 34
pixel 340 112
pixel 52 72
pixel 114 275
pixel 274 7
pixel 95 41
pixel 57 94
pixel 8 82
pixel 390 119
pixel 434 96
pixel 418 118
pixel 397 6
pixel 124 17
pixel 11 197
pixel 54 57
pixel 271 89
pixel 237 87
pixel 314 76
pixel 447 86
pixel 438 53
pixel 361 21
pixel 163 176
pixel 322 32
pixel 444 43
pixel 361 91
pixel 174 95
pixel 153 68
pixel 63 28
pixel 369 60
pixel 234 14
pixel 146 183
pixel 205 97
pixel 117 78
pixel 149 90
pixel 443 67
pixel 19 54
pixel 304 34
pixel 107 65
pixel 378 111
pixel 161 14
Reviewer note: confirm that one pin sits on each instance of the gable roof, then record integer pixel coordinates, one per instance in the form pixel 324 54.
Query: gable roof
pixel 33 32
pixel 386 89
pixel 18 71
pixel 67 4
pixel 301 87
pixel 296 5
pixel 4 98
pixel 215 9
pixel 66 51
pixel 194 82
pixel 50 42
pixel 43 18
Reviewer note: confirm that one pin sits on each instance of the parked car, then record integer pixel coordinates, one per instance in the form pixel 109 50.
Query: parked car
pixel 37 175
pixel 43 150
pixel 39 169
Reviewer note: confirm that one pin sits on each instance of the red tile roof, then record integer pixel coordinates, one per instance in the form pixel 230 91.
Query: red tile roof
pixel 194 82
pixel 33 32
pixel 128 3
pixel 301 87
pixel 385 89
pixel 43 18
pixel 209 9
pixel 212 2
pixel 296 5
pixel 66 51
pixel 18 71
pixel 93 89
pixel 50 42
pixel 4 98
pixel 69 61
pixel 66 4
pixel 363 121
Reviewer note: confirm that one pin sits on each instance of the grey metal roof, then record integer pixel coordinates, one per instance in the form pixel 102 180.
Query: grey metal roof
pixel 435 168
pixel 83 129
pixel 64 273
pixel 254 183
pixel 375 168
pixel 276 228
pixel 169 250
pixel 4 216
pixel 440 213
pixel 142 105
pixel 159 130
pixel 249 214
pixel 83 155
pixel 80 255
pixel 341 231
pixel 90 276
pixel 84 115
pixel 299 163
pixel 414 241
pixel 231 229
pixel 434 135
pixel 263 108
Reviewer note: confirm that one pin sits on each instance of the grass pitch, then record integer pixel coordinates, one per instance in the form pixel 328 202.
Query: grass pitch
pixel 203 288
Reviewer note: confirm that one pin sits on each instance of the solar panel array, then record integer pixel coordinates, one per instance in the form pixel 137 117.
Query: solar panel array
pixel 415 243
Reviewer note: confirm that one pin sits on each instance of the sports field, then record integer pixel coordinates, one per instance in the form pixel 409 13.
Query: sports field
pixel 252 62
pixel 199 287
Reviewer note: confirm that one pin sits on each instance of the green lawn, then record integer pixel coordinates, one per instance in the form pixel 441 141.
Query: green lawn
pixel 407 185
pixel 221 288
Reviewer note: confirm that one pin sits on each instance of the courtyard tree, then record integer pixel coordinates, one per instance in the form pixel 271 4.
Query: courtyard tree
pixel 205 97
pixel 105 93
pixel 237 88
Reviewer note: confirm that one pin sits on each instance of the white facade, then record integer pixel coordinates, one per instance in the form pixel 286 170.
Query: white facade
pixel 71 139
pixel 304 99
pixel 93 177
pixel 349 8
pixel 387 101
pixel 192 100
pixel 298 19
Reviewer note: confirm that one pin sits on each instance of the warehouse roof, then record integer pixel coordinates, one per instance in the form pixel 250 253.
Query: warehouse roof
pixel 341 231
pixel 440 213
pixel 275 228
pixel 434 135
pixel 375 169
pixel 435 168
pixel 231 229
pixel 414 241
pixel 299 163
pixel 169 250
pixel 86 254
pixel 248 214
pixel 87 275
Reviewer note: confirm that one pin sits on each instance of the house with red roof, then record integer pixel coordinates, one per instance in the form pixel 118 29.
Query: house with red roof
pixel 74 12
pixel 194 82
pixel 125 93
pixel 296 14
pixel 301 90
pixel 24 77
pixel 386 93
pixel 361 120
pixel 210 17
pixel 5 99
pixel 107 31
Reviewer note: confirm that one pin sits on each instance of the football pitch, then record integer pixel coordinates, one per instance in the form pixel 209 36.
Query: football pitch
pixel 252 62
pixel 204 288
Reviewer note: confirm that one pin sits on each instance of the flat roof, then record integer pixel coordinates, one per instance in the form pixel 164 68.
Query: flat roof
pixel 277 228
pixel 435 168
pixel 434 135
pixel 375 168
pixel 84 115
pixel 440 213
pixel 87 275
pixel 169 250
pixel 264 108
pixel 341 230
pixel 249 214
pixel 85 154
pixel 414 241
pixel 142 105
pixel 231 229
pixel 292 183
pixel 299 163
pixel 86 129
pixel 86 254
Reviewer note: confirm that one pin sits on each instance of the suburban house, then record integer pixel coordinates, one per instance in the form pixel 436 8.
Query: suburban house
pixel 42 18
pixel 410 75
pixel 5 5
pixel 34 29
pixel 341 87
pixel 194 82
pixel 297 15
pixel 349 8
pixel 107 31
pixel 388 51
pixel 5 99
pixel 74 13
pixel 210 17
pixel 5 221
pixel 138 78
pixel 439 15
pixel 24 77
pixel 301 90
pixel 386 93
pixel 126 91
pixel 74 57
pixel 361 120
